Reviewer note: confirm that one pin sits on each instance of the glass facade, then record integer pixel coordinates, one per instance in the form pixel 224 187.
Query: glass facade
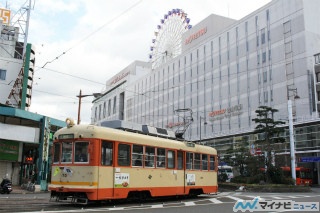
pixel 224 74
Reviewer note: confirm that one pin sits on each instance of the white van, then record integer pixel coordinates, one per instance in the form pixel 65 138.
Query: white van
pixel 226 170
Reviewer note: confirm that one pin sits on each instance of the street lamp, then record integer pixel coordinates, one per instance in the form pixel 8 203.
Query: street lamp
pixel 292 148
pixel 96 95
pixel 205 123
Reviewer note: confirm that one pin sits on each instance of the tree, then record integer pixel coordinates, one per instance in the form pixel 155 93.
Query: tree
pixel 269 128
pixel 238 157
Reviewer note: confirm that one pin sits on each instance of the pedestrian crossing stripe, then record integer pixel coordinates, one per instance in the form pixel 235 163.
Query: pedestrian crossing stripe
pixel 215 200
pixel 189 203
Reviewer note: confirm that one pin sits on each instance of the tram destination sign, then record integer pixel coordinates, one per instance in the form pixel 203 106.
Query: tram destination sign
pixel 309 159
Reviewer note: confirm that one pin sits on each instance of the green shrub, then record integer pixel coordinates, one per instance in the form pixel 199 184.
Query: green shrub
pixel 258 178
pixel 239 179
pixel 222 177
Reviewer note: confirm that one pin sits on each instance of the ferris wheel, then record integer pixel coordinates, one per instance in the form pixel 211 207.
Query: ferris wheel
pixel 167 42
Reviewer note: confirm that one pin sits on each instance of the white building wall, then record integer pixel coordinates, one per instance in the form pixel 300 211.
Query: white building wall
pixel 8 64
pixel 238 65
pixel 12 67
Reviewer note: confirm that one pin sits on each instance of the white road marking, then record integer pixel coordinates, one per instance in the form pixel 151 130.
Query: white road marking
pixel 214 200
pixel 189 203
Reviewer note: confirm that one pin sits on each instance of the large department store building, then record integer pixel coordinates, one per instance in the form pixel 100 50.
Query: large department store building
pixel 226 70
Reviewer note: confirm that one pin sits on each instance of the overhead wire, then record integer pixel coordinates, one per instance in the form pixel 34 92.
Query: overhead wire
pixel 92 33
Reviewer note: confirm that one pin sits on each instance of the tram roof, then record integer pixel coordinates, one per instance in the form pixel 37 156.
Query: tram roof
pixel 106 133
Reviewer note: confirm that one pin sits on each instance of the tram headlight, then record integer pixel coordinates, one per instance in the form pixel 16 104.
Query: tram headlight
pixel 69 122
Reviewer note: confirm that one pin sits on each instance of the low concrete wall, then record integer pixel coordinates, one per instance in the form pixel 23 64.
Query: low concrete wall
pixel 263 188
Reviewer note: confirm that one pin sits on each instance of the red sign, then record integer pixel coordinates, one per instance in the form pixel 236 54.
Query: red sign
pixel 196 35
pixel 28 160
pixel 258 151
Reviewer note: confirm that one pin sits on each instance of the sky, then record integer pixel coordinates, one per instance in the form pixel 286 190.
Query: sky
pixel 80 44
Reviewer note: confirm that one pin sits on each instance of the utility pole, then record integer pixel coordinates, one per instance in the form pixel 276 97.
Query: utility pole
pixel 79 106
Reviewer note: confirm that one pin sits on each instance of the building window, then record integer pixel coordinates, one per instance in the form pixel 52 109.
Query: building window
pixel 246 27
pixel 317 59
pixel 99 112
pixel 114 104
pixel 271 95
pixel 267 13
pixel 318 78
pixel 269 55
pixel 265 94
pixel 104 109
pixel 263 36
pixel 264 57
pixel 287 27
pixel 265 76
pixel 95 113
pixel 288 47
pixel 109 107
pixel 3 74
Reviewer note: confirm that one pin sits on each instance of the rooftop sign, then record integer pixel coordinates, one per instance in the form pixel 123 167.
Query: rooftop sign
pixel 195 35
pixel 5 16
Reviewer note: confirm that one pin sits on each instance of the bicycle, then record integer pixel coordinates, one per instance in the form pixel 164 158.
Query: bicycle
pixel 28 186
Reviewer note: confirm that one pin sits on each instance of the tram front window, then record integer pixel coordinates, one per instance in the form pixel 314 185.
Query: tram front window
pixel 81 152
pixel 66 152
pixel 56 155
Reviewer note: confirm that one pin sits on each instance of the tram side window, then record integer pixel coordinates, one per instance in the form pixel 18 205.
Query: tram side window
pixel 56 155
pixel 212 168
pixel 189 160
pixel 180 160
pixel 171 159
pixel 197 161
pixel 124 155
pixel 150 154
pixel 137 154
pixel 161 157
pixel 81 152
pixel 66 152
pixel 106 153
pixel 204 162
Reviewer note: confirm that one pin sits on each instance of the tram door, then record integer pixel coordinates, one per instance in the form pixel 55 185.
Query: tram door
pixel 182 169
pixel 106 170
pixel 189 175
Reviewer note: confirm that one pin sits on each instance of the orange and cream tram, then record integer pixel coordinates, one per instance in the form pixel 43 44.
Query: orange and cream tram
pixel 92 163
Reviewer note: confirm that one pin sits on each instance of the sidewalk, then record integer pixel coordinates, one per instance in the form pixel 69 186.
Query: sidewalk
pixel 18 190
